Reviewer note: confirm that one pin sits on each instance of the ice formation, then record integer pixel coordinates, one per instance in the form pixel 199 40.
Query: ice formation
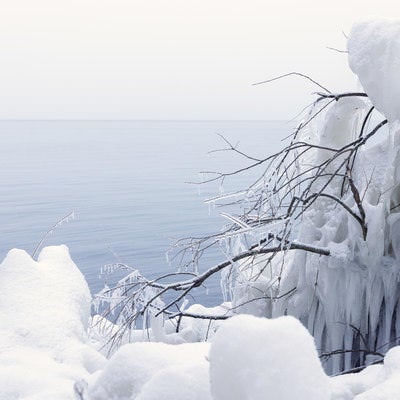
pixel 374 56
pixel 349 300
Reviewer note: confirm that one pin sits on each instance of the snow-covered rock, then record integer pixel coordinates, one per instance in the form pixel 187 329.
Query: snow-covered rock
pixel 256 358
pixel 374 56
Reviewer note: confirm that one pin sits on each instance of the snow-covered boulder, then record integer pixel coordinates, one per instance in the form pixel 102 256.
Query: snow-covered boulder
pixel 257 358
pixel 374 56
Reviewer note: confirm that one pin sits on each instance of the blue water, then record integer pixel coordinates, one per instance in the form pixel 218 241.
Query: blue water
pixel 125 182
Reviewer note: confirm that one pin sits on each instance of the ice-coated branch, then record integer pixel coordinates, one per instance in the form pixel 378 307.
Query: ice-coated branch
pixel 65 219
pixel 358 201
pixel 186 286
pixel 342 351
pixel 339 96
pixel 265 221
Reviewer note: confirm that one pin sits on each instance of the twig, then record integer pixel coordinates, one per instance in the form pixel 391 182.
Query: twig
pixel 290 74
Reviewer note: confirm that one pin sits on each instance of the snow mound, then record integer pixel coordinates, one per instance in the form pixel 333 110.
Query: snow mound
pixel 44 309
pixel 376 382
pixel 42 301
pixel 258 358
pixel 153 371
pixel 374 56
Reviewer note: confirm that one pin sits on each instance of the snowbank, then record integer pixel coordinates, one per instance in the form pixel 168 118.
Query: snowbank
pixel 374 56
pixel 44 310
pixel 155 371
pixel 45 302
pixel 45 352
pixel 377 382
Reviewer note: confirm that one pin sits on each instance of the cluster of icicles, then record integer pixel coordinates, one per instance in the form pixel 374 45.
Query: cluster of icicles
pixel 349 300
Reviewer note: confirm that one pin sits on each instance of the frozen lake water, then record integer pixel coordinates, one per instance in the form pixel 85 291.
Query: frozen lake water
pixel 125 182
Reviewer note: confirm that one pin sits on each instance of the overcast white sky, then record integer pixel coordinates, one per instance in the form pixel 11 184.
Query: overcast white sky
pixel 171 59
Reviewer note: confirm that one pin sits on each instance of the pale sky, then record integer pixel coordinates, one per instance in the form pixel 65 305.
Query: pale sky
pixel 171 59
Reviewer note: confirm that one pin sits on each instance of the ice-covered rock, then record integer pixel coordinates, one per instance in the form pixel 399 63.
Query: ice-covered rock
pixel 256 358
pixel 374 56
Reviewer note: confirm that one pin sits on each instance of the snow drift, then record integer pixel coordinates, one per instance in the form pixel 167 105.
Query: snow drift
pixel 45 352
pixel 44 312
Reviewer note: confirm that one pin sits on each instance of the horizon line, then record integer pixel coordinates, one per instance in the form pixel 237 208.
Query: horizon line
pixel 134 120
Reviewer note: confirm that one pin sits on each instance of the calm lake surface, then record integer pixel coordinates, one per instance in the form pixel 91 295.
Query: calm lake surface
pixel 125 182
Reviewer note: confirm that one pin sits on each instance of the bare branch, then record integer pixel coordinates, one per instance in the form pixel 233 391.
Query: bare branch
pixel 296 74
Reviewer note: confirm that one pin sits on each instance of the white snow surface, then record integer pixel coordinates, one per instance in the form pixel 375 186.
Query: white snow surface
pixel 252 358
pixel 44 310
pixel 374 56
pixel 45 351
pixel 155 371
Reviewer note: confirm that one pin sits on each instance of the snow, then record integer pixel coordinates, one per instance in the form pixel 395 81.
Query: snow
pixel 374 56
pixel 252 357
pixel 377 382
pixel 44 309
pixel 147 370
pixel 46 353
